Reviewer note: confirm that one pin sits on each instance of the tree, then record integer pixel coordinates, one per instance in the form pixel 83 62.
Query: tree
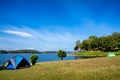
pixel 33 59
pixel 93 43
pixel 61 54
pixel 85 45
pixel 77 46
pixel 104 43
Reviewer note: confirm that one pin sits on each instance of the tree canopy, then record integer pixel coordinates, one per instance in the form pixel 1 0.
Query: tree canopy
pixel 77 46
pixel 104 43
pixel 61 54
pixel 34 59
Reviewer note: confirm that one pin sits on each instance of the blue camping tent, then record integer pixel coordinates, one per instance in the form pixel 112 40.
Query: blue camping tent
pixel 17 62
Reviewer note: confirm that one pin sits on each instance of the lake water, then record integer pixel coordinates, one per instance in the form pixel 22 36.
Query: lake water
pixel 42 57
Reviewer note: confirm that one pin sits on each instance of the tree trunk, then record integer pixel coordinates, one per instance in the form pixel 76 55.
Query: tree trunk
pixel 61 58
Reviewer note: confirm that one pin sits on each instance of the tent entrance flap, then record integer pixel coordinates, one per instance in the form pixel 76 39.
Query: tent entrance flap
pixel 10 67
pixel 23 64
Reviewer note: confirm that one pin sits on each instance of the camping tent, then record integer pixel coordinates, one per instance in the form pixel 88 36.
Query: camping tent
pixel 110 54
pixel 17 62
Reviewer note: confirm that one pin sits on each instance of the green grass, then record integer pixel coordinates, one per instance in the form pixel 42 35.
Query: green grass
pixel 86 69
pixel 93 54
pixel 117 53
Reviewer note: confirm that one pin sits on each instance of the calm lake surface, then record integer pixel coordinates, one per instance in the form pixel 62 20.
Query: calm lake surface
pixel 42 57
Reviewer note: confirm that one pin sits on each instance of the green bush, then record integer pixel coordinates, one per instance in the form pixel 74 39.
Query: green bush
pixel 33 59
pixel 61 54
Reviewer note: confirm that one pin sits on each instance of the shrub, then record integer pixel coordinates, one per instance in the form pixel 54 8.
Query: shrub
pixel 0 67
pixel 33 59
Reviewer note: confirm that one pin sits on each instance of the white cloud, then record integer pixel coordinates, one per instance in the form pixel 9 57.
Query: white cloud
pixel 50 39
pixel 19 33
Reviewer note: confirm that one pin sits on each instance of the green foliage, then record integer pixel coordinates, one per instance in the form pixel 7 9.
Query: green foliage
pixel 104 43
pixel 34 59
pixel 77 46
pixel 84 45
pixel 91 54
pixel 61 54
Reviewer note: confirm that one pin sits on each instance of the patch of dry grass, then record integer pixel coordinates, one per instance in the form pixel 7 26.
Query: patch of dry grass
pixel 85 69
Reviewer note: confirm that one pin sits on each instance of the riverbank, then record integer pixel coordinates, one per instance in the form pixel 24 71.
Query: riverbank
pixel 93 54
pixel 86 69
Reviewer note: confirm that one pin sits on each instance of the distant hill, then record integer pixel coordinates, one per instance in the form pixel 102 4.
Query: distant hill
pixel 54 51
pixel 49 52
pixel 20 51
pixel 28 51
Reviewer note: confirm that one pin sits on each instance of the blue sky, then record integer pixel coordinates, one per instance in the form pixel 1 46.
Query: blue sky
pixel 55 24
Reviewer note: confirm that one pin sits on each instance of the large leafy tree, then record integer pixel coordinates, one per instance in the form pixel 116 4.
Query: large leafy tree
pixel 85 45
pixel 93 42
pixel 116 40
pixel 90 44
pixel 61 54
pixel 104 43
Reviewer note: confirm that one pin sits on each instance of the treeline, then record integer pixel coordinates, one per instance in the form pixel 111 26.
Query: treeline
pixel 104 43
pixel 19 51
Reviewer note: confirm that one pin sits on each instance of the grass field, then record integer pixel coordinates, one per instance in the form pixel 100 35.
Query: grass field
pixel 105 68
pixel 93 53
